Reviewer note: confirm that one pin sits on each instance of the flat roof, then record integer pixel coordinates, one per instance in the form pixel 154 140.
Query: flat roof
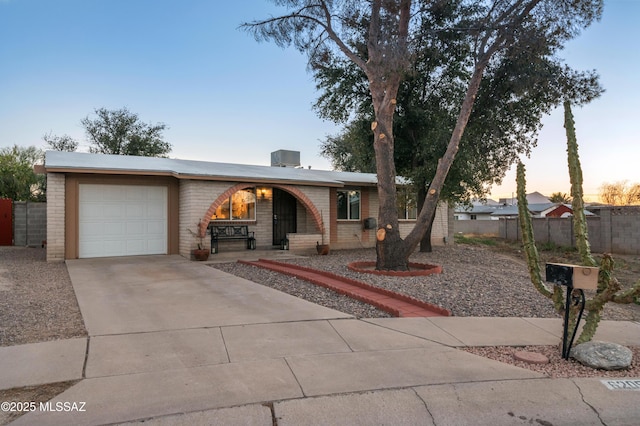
pixel 80 162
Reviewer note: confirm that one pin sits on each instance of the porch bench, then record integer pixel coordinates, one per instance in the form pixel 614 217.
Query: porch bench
pixel 231 232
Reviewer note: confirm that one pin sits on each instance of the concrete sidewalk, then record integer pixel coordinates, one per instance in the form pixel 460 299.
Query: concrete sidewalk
pixel 176 342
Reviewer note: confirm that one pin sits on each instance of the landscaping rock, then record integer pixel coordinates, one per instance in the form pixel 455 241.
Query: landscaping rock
pixel 531 357
pixel 603 355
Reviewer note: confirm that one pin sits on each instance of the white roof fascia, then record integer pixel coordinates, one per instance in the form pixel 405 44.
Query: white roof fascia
pixel 183 169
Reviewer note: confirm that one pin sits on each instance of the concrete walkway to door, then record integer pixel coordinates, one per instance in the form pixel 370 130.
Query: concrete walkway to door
pixel 177 342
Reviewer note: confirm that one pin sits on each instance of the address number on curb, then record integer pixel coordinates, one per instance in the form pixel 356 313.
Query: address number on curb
pixel 632 385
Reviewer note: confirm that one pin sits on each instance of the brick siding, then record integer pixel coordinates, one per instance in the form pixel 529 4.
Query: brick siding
pixel 55 217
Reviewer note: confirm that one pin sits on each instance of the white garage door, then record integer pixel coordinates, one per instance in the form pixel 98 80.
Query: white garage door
pixel 122 220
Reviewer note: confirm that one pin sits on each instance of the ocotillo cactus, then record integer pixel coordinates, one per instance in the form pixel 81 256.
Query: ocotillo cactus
pixel 529 243
pixel 608 286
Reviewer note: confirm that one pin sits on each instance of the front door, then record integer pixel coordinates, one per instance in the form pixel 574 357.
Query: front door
pixel 284 215
pixel 6 223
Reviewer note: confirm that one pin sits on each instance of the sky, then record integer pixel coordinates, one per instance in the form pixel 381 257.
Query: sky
pixel 227 98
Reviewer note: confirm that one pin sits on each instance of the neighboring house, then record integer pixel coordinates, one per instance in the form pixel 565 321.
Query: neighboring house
pixel 474 213
pixel 560 210
pixel 539 206
pixel 538 210
pixel 532 198
pixel 111 205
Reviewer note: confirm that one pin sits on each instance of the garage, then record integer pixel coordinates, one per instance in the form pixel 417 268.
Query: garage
pixel 122 220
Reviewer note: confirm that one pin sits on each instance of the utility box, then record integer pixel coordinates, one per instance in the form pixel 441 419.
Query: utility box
pixel 370 223
pixel 284 158
pixel 574 276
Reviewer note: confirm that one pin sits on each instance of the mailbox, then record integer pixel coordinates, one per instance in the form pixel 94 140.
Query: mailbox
pixel 574 276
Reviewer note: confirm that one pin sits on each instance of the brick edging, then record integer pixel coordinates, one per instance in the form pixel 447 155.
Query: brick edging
pixel 356 283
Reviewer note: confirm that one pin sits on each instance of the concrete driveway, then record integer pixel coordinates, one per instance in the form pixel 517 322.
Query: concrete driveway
pixel 161 293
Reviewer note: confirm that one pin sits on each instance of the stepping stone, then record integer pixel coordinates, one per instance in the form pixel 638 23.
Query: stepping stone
pixel 531 357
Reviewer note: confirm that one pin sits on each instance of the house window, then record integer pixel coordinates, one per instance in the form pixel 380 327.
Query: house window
pixel 349 205
pixel 474 217
pixel 407 204
pixel 240 206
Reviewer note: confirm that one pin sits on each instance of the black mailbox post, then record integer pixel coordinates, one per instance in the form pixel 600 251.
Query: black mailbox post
pixel 563 275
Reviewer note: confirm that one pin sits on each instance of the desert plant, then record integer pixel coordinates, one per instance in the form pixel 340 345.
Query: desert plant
pixel 608 286
pixel 198 236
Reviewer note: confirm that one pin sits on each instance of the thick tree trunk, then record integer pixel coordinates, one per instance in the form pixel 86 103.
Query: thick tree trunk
pixel 389 245
pixel 384 80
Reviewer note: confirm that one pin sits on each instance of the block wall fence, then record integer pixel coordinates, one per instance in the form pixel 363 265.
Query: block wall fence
pixel 29 223
pixel 613 230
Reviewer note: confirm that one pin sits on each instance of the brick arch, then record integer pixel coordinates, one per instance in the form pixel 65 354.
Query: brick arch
pixel 306 202
pixel 299 195
pixel 204 222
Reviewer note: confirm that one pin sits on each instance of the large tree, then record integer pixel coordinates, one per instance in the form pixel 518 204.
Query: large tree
pixel 517 90
pixel 322 27
pixel 121 132
pixel 18 181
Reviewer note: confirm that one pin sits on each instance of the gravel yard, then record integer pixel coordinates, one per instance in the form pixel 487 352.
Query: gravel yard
pixel 37 301
pixel 37 304
pixel 475 282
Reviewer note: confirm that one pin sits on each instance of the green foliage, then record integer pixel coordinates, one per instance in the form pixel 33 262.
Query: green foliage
pixel 519 87
pixel 462 40
pixel 547 246
pixel 17 178
pixel 61 143
pixel 550 246
pixel 352 150
pixel 121 132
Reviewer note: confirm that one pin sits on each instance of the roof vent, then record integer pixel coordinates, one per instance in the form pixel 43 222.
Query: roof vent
pixel 284 158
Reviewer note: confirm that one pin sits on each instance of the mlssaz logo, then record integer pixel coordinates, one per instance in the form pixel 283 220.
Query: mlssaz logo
pixel 63 406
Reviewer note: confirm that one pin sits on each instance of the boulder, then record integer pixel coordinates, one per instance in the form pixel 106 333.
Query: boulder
pixel 603 355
